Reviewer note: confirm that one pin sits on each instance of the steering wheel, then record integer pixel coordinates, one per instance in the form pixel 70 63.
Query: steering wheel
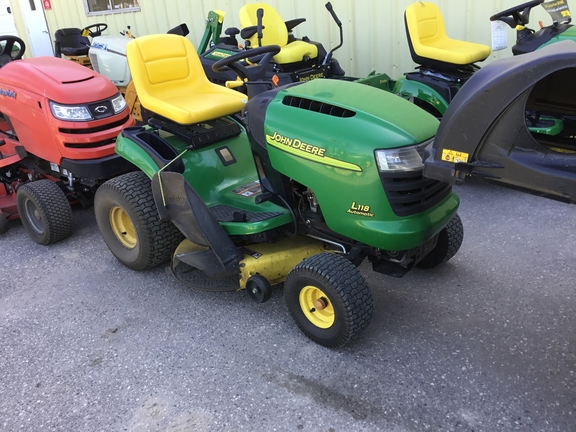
pixel 6 51
pixel 263 55
pixel 518 15
pixel 98 29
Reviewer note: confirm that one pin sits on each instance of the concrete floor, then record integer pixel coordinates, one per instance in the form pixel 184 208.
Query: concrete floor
pixel 485 343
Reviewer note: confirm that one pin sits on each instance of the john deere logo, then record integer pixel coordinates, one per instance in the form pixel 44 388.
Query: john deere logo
pixel 307 151
pixel 101 109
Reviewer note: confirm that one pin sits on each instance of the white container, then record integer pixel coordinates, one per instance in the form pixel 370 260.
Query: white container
pixel 108 57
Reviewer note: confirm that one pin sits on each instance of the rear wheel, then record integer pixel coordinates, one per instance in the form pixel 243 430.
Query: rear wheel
pixel 329 299
pixel 45 211
pixel 449 242
pixel 129 223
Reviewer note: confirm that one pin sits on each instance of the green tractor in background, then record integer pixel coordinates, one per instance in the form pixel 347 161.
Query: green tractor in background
pixel 306 183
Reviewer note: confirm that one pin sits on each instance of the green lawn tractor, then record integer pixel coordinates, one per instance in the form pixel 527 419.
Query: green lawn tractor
pixel 446 64
pixel 308 182
pixel 298 59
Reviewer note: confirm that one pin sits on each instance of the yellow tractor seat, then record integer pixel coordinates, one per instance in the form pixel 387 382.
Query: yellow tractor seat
pixel 170 81
pixel 275 32
pixel 429 43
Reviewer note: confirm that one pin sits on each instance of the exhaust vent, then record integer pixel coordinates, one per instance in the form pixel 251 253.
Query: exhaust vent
pixel 319 107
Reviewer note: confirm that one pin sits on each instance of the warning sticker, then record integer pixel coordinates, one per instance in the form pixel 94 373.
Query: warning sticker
pixel 558 10
pixel 249 189
pixel 454 156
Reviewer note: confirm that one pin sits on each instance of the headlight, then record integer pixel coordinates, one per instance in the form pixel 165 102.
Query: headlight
pixel 119 104
pixel 69 112
pixel 402 159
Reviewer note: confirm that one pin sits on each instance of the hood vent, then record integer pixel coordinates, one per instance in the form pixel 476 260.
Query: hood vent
pixel 319 107
pixel 79 81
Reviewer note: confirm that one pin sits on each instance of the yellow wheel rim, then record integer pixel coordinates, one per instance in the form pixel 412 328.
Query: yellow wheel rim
pixel 317 307
pixel 122 227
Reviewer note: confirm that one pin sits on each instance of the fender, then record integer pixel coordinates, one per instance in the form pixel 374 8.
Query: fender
pixel 414 89
pixel 148 151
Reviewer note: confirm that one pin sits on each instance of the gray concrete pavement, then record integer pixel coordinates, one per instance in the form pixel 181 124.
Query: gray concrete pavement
pixel 485 343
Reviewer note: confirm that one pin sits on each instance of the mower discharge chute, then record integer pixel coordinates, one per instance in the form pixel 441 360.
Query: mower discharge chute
pixel 58 126
pixel 486 134
pixel 308 182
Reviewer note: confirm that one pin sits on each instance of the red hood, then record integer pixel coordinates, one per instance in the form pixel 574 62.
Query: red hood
pixel 57 79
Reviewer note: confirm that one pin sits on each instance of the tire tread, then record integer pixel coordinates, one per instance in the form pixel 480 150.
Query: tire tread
pixel 54 207
pixel 163 236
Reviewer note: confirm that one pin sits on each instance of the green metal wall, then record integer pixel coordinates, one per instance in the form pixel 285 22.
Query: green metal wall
pixel 374 35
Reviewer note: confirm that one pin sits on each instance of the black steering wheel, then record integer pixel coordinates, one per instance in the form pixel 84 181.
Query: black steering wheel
pixel 517 15
pixel 7 52
pixel 98 29
pixel 260 58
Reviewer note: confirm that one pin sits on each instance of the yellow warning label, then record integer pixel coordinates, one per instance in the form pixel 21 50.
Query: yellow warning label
pixel 454 156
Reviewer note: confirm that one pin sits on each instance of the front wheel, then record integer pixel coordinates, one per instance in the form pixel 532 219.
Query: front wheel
pixel 130 225
pixel 449 242
pixel 45 211
pixel 329 299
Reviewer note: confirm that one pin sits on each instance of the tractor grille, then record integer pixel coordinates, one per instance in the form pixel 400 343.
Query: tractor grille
pixel 319 107
pixel 411 193
pixel 95 129
pixel 94 62
pixel 90 144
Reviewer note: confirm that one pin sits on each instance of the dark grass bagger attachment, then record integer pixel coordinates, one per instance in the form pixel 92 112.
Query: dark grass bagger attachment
pixel 485 134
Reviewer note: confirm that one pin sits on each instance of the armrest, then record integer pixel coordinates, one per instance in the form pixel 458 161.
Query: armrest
pixel 290 24
pixel 248 32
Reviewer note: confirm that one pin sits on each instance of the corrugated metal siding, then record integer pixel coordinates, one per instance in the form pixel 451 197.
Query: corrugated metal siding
pixel 374 34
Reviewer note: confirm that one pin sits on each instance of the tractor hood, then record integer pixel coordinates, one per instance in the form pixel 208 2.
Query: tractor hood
pixel 513 123
pixel 57 79
pixel 339 114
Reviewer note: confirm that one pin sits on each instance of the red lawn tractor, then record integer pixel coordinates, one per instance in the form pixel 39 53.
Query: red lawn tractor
pixel 58 126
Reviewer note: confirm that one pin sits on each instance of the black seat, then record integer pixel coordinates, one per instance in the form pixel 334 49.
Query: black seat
pixel 70 42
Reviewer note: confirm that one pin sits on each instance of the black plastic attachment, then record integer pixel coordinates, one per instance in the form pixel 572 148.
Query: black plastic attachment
pixel 484 132
pixel 178 201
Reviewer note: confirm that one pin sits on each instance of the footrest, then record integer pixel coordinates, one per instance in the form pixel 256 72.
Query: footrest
pixel 199 135
pixel 224 213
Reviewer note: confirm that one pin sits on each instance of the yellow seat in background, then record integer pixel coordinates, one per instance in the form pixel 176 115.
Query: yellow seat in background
pixel 428 39
pixel 275 32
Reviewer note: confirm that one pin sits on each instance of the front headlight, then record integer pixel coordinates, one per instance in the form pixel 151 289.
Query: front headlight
pixel 70 112
pixel 119 104
pixel 402 159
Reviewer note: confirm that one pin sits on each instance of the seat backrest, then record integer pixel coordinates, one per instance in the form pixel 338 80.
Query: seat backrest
pixel 71 38
pixel 170 81
pixel 163 66
pixel 424 24
pixel 274 32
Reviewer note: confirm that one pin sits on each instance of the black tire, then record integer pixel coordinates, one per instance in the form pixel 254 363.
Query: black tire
pixel 449 242
pixel 45 211
pixel 130 225
pixel 342 292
